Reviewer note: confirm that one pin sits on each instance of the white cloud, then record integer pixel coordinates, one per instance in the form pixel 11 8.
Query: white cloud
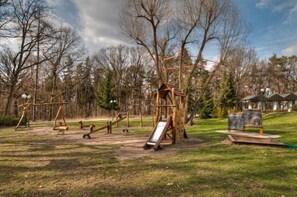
pixel 212 62
pixel 279 5
pixel 291 50
pixel 53 3
pixel 285 4
pixel 12 43
pixel 287 7
pixel 263 4
pixel 99 23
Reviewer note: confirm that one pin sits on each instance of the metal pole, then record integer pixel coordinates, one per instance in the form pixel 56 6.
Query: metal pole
pixel 264 104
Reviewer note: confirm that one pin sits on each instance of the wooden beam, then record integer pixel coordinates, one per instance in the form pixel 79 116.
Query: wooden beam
pixel 115 122
pixel 43 104
pixel 166 106
pixel 157 108
pixel 174 119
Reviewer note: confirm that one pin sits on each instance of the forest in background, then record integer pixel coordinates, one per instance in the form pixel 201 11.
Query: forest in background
pixel 48 61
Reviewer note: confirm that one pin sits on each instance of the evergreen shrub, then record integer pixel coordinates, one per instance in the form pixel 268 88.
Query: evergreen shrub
pixel 8 121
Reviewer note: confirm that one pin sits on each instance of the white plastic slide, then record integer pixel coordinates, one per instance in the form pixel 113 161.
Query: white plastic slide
pixel 159 130
pixel 158 134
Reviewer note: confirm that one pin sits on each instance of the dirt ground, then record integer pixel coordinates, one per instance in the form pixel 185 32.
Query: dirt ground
pixel 131 145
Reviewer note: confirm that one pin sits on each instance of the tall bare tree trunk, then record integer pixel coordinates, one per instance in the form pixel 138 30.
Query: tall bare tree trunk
pixel 16 108
pixel 10 96
pixel 36 76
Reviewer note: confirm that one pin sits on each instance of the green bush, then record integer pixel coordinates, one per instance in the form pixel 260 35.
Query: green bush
pixel 294 107
pixel 8 121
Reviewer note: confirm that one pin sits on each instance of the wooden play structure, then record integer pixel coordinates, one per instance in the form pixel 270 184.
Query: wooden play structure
pixel 119 117
pixel 24 121
pixel 59 121
pixel 237 129
pixel 169 100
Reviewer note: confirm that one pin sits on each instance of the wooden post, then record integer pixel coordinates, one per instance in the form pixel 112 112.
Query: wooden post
pixel 119 115
pixel 174 130
pixel 261 130
pixel 59 114
pixel 157 108
pixel 56 118
pixel 166 109
pixel 183 102
pixel 107 127
pixel 141 123
pixel 24 114
pixel 128 123
pixel 20 121
pixel 110 127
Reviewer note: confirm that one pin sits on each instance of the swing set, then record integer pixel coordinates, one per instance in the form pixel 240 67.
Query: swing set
pixel 59 121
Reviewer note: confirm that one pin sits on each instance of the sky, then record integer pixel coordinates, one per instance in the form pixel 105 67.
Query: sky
pixel 273 24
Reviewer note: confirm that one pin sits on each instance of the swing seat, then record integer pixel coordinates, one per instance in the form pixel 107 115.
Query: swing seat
pixel 62 129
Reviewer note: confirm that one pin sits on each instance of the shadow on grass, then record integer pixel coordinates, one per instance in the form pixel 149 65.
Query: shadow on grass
pixel 215 170
pixel 69 169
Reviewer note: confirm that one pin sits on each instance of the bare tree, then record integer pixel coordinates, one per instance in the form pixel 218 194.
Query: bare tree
pixel 4 17
pixel 66 44
pixel 134 79
pixel 197 23
pixel 128 72
pixel 117 60
pixel 145 23
pixel 25 17
pixel 240 62
pixel 217 20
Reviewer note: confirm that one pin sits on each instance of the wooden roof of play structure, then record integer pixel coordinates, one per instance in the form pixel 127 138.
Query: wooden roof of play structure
pixel 167 88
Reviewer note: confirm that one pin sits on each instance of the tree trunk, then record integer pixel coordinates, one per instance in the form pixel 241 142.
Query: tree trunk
pixel 10 96
pixel 193 112
pixel 16 108
pixel 54 87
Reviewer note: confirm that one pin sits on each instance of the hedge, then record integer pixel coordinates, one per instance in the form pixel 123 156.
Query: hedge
pixel 8 121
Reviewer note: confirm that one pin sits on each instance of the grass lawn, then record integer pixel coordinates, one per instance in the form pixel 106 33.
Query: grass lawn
pixel 51 166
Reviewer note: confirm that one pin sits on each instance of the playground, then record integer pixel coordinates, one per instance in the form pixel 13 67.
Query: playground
pixel 159 156
pixel 130 144
pixel 42 161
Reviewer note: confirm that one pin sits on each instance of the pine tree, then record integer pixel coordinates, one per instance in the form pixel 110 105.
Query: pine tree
pixel 85 89
pixel 227 94
pixel 89 93
pixel 67 80
pixel 207 104
pixel 79 81
pixel 106 92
